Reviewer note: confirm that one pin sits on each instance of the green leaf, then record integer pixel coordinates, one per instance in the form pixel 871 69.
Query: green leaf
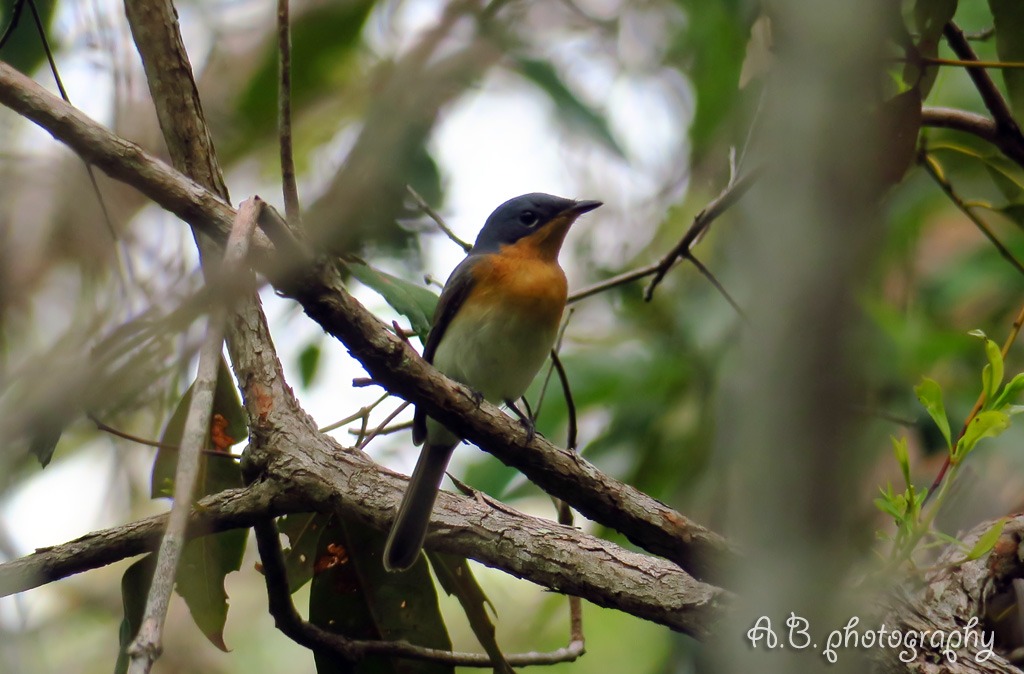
pixel 899 446
pixel 1009 392
pixel 1008 183
pixel 930 394
pixel 1008 18
pixel 309 363
pixel 571 109
pixel 44 442
pixel 987 541
pixel 303 532
pixel 410 300
pixel 205 561
pixel 930 17
pixel 200 581
pixel 231 430
pixel 988 424
pixel 455 576
pixel 134 591
pixel 900 122
pixel 992 374
pixel 352 594
pixel 24 50
pixel 711 48
pixel 324 40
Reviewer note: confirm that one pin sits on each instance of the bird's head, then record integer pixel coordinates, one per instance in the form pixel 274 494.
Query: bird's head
pixel 541 220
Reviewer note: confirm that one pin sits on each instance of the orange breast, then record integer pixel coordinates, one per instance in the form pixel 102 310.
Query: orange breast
pixel 517 279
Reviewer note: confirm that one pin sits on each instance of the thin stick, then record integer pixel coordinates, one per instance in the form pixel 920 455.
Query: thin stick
pixel 438 220
pixel 996 65
pixel 387 420
pixel 362 412
pixel 990 93
pixel 569 403
pixel 304 633
pixel 930 165
pixel 147 645
pixel 123 260
pixel 729 196
pixel 284 115
pixel 706 273
pixel 106 428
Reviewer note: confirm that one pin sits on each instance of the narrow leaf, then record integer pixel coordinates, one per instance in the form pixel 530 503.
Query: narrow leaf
pixel 309 362
pixel 410 300
pixel 987 541
pixel 988 424
pixel 207 560
pixel 570 108
pixel 1010 392
pixel 134 591
pixel 930 16
pixel 930 394
pixel 352 594
pixel 995 372
pixel 899 446
pixel 1008 18
pixel 303 531
pixel 455 576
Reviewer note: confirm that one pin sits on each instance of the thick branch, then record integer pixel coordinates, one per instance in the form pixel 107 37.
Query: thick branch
pixel 648 523
pixel 229 509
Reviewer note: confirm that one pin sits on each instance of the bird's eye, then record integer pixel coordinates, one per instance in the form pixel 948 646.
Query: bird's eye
pixel 528 218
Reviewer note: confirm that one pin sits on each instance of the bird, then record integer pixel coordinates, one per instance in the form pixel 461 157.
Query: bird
pixel 495 323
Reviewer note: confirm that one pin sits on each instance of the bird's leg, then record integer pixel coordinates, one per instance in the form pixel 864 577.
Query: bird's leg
pixel 525 420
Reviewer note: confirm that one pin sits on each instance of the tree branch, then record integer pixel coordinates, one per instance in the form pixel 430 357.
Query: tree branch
pixel 1011 141
pixel 648 523
pixel 231 509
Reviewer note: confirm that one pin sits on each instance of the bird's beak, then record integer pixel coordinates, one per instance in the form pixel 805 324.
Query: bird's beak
pixel 581 207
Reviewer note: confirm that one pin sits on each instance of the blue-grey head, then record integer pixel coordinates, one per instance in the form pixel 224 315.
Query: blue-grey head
pixel 543 219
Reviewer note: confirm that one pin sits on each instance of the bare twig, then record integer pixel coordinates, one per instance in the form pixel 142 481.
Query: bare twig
pixel 577 642
pixel 973 63
pixel 438 220
pixel 230 509
pixel 288 620
pixel 124 261
pixel 729 196
pixel 284 115
pixel 569 403
pixel 930 165
pixel 615 281
pixel 990 94
pixel 361 413
pixel 387 420
pixel 13 23
pixel 147 646
pixel 961 120
pixel 706 273
pixel 106 428
pixel 381 429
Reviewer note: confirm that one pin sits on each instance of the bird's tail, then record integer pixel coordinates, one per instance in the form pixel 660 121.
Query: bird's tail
pixel 410 527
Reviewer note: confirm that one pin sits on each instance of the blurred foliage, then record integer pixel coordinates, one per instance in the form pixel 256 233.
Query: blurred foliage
pixel 643 374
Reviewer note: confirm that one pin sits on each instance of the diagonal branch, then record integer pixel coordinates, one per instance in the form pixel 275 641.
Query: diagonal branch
pixel 648 523
pixel 733 192
pixel 231 509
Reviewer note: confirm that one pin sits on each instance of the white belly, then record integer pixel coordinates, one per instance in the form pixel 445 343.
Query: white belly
pixel 497 354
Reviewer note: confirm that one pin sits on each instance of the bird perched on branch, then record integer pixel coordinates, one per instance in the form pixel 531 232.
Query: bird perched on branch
pixel 494 325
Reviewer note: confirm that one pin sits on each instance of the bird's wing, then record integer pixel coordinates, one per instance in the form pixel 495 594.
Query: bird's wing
pixel 455 292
